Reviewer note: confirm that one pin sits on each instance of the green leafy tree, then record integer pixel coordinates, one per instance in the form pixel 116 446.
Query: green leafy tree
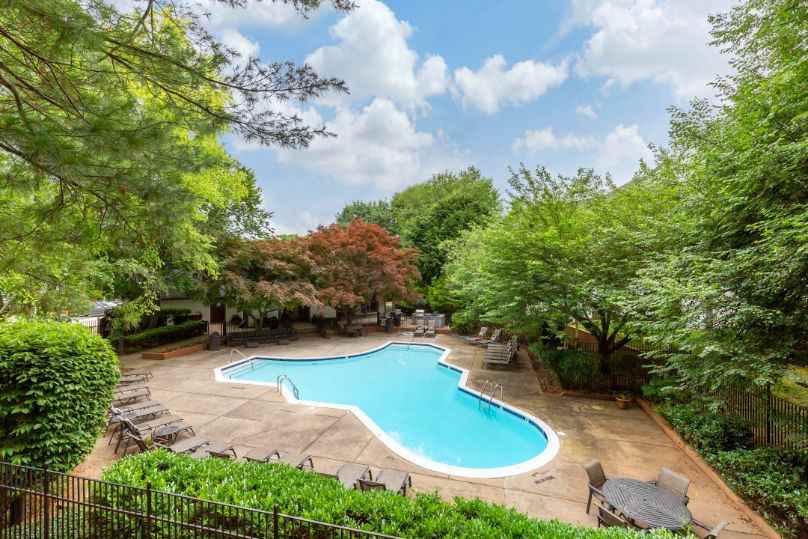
pixel 566 253
pixel 109 150
pixel 734 299
pixel 427 214
pixel 376 212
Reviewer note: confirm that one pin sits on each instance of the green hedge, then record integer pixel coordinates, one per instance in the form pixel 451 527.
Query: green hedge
pixel 315 497
pixel 164 335
pixel 774 481
pixel 56 384
pixel 574 369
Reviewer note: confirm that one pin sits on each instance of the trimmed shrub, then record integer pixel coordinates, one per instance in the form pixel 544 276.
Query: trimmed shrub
pixel 707 432
pixel 56 384
pixel 775 481
pixel 575 369
pixel 305 494
pixel 164 335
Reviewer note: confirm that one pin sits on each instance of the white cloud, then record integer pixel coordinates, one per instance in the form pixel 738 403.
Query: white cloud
pixel 303 222
pixel 661 40
pixel 255 14
pixel 586 111
pixel 378 145
pixel 618 153
pixel 621 152
pixel 545 139
pixel 488 88
pixel 233 39
pixel 373 57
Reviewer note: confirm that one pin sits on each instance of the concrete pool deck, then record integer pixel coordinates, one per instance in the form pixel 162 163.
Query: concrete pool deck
pixel 627 442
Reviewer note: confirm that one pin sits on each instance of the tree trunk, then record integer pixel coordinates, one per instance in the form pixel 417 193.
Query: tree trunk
pixel 605 351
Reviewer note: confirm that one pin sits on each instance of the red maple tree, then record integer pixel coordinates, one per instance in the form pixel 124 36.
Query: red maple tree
pixel 264 275
pixel 358 262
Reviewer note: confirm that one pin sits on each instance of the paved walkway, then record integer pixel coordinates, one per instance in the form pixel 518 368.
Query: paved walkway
pixel 627 442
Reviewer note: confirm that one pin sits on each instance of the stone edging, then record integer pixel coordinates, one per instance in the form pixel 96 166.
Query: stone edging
pixel 751 514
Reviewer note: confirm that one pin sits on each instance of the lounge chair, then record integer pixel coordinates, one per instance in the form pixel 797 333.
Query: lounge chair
pixel 301 461
pixel 139 372
pixel 215 449
pixel 349 474
pixel 597 478
pixel 392 480
pixel 127 379
pixel 419 331
pixel 673 482
pixel 117 415
pixel 186 445
pixel 712 532
pixel 130 394
pixel 480 336
pixel 430 329
pixel 162 430
pixel 499 354
pixel 493 340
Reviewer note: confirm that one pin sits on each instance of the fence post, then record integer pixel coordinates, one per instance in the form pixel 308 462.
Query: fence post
pixel 147 525
pixel 768 415
pixel 275 531
pixel 45 504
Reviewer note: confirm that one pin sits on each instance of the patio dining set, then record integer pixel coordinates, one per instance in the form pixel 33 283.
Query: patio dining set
pixel 632 503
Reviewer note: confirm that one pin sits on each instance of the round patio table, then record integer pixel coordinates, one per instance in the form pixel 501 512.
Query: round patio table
pixel 646 504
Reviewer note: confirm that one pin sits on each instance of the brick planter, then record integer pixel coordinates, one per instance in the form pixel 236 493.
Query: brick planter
pixel 179 352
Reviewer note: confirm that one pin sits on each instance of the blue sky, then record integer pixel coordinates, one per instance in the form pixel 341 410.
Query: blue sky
pixel 439 85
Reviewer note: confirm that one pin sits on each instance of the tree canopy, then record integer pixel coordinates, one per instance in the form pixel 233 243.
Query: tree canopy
pixel 359 262
pixel 428 214
pixel 733 299
pixel 265 275
pixel 703 252
pixel 112 175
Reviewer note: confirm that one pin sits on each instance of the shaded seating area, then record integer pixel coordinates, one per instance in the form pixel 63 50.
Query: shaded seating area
pixel 633 503
pixel 254 337
pixel 502 354
pixel 483 333
pixel 495 336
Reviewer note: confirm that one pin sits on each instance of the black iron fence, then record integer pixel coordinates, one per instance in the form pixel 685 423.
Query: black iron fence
pixel 775 422
pixel 41 504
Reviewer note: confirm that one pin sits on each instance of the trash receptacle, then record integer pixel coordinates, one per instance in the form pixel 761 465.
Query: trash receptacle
pixel 215 341
pixel 388 324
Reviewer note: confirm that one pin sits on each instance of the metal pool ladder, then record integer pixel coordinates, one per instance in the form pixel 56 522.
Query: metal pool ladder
pixel 489 388
pixel 250 363
pixel 283 378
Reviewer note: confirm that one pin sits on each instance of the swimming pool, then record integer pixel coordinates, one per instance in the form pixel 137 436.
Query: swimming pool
pixel 417 403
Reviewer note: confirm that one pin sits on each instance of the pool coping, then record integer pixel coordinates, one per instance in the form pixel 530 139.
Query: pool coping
pixel 549 453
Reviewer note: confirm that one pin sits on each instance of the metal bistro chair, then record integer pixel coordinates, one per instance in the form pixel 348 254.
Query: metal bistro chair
pixel 597 478
pixel 608 517
pixel 673 482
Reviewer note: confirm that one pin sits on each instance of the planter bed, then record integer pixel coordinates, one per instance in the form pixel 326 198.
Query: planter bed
pixel 178 352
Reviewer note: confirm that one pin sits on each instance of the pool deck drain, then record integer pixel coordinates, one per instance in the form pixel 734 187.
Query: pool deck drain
pixel 627 442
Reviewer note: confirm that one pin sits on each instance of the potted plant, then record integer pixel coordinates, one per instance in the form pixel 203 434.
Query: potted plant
pixel 623 400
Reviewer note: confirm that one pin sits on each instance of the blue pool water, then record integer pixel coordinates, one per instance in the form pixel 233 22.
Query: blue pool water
pixel 415 400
